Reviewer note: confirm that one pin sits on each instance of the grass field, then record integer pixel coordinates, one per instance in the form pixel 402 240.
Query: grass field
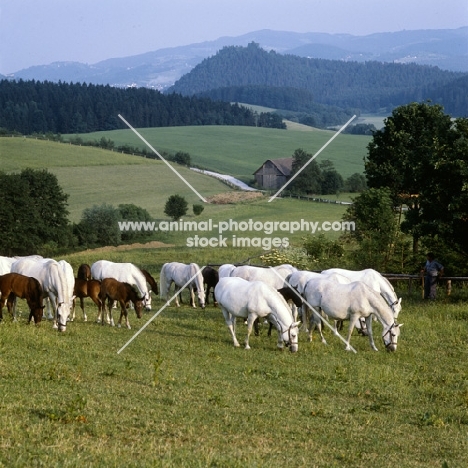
pixel 180 394
pixel 92 176
pixel 240 151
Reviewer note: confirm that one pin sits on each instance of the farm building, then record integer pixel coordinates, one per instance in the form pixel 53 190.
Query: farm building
pixel 273 173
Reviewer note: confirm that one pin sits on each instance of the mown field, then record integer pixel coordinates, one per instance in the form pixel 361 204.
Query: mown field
pixel 181 395
pixel 240 151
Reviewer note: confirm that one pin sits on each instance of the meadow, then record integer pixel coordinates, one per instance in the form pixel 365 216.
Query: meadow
pixel 240 151
pixel 180 395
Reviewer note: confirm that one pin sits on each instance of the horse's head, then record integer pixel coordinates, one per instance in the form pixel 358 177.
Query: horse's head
pixel 290 337
pixel 396 308
pixel 390 336
pixel 147 300
pixel 36 312
pixel 201 298
pixel 138 304
pixel 63 312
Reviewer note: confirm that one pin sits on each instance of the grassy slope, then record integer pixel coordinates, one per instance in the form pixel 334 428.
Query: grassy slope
pixel 239 151
pixel 92 176
pixel 181 395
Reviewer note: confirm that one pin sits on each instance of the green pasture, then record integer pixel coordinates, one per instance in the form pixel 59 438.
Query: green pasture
pixel 92 176
pixel 181 395
pixel 240 151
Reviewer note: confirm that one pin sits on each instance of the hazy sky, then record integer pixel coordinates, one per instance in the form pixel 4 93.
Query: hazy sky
pixel 38 32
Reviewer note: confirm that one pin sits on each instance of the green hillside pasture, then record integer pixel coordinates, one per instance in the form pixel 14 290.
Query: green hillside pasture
pixel 181 395
pixel 92 176
pixel 240 151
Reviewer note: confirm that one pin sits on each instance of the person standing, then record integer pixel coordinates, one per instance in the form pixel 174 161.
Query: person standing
pixel 431 271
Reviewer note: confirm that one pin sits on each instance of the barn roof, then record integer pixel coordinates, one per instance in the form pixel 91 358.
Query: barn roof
pixel 284 165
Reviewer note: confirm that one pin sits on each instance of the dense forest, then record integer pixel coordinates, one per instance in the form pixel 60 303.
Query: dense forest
pixel 45 107
pixel 369 86
pixel 291 103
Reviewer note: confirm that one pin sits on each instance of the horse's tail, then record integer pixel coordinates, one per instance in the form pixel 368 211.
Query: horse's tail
pixel 163 283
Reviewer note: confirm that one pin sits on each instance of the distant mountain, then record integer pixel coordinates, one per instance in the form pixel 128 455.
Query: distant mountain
pixel 447 49
pixel 247 74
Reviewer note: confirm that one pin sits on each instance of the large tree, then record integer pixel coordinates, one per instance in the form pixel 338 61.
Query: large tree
pixel 33 212
pixel 421 156
pixel 310 179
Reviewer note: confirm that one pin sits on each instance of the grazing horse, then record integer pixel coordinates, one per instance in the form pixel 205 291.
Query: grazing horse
pixel 289 295
pixel 181 274
pixel 353 301
pixel 274 276
pixel 54 282
pixel 255 299
pixel 151 281
pixel 125 273
pixel 376 281
pixel 13 285
pixel 82 289
pixel 114 290
pixel 210 279
pixel 225 270
pixel 5 264
pixel 84 272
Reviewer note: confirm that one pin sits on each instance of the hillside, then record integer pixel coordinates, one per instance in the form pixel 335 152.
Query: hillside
pixel 368 86
pixel 92 176
pixel 239 151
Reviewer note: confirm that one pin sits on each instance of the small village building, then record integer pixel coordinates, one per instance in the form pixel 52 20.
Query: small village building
pixel 273 173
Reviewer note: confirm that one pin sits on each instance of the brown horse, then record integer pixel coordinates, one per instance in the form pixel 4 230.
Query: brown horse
pixel 13 285
pixel 151 281
pixel 84 289
pixel 84 272
pixel 114 290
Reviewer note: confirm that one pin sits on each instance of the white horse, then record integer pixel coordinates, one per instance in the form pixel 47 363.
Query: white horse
pixel 225 270
pixel 354 301
pixel 299 280
pixel 125 273
pixel 274 277
pixel 54 284
pixel 251 299
pixel 376 281
pixel 180 274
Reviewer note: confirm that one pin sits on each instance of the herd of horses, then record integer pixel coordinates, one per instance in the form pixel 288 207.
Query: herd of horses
pixel 279 295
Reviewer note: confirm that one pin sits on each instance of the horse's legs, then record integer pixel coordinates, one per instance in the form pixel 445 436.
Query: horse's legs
pixel 85 317
pixel 231 324
pixel 369 332
pixel 110 319
pixel 305 309
pixel 192 297
pixel 123 313
pixel 11 301
pixel 352 322
pixel 250 322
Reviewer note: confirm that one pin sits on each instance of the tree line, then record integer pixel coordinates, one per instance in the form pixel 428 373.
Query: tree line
pixel 370 86
pixel 44 107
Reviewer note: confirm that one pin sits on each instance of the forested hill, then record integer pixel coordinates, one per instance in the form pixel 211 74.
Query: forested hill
pixel 42 107
pixel 369 87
